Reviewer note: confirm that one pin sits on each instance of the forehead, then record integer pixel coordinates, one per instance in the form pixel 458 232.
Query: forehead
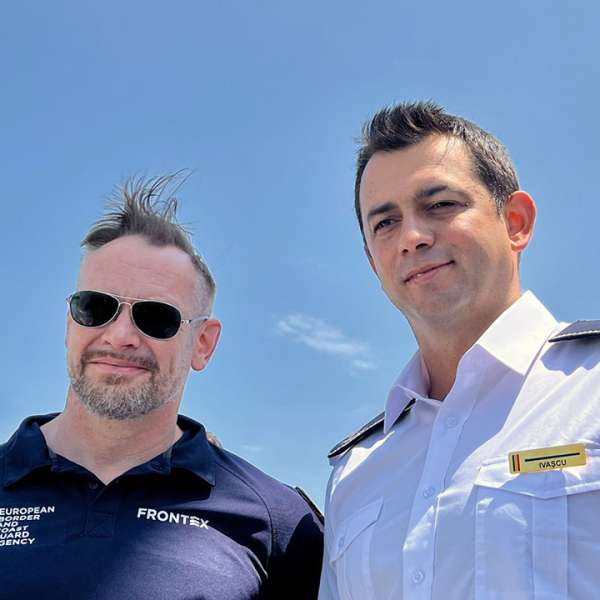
pixel 437 159
pixel 132 267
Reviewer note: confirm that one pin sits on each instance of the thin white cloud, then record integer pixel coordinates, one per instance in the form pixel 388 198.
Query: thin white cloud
pixel 322 337
pixel 363 364
pixel 251 448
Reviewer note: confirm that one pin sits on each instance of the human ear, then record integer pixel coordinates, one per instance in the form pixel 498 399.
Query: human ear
pixel 205 343
pixel 519 216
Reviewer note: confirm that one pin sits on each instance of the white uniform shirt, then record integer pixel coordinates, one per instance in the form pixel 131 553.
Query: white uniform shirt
pixel 427 508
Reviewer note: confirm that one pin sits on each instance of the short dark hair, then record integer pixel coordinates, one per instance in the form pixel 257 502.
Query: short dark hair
pixel 400 126
pixel 145 206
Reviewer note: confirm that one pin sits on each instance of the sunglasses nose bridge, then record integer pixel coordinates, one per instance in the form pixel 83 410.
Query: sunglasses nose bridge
pixel 118 312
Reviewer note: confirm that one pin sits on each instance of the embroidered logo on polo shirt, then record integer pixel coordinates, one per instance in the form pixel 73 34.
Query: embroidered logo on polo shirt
pixel 15 524
pixel 166 516
pixel 547 459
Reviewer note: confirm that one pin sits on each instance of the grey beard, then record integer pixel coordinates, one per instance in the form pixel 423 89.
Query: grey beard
pixel 113 398
pixel 115 402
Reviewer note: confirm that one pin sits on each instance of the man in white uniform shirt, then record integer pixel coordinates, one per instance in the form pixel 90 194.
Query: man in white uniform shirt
pixel 423 502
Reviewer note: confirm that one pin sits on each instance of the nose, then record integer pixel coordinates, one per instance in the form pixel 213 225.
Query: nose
pixel 416 235
pixel 122 332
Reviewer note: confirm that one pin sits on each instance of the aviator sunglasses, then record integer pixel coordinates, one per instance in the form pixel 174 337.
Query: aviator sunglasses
pixel 154 319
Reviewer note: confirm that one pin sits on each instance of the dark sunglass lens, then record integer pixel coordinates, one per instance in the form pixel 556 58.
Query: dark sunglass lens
pixel 92 309
pixel 156 319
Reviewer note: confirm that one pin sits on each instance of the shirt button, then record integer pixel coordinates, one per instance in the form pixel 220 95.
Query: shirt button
pixel 418 576
pixel 451 422
pixel 428 492
pixel 341 543
pixel 93 485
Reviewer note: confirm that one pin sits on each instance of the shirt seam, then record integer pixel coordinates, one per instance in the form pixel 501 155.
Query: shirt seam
pixel 266 506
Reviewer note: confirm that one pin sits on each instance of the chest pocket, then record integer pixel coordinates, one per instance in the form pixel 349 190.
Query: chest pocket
pixel 350 553
pixel 522 529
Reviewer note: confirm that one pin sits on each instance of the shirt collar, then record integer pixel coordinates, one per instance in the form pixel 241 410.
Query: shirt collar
pixel 26 451
pixel 516 336
pixel 193 452
pixel 514 339
pixel 413 382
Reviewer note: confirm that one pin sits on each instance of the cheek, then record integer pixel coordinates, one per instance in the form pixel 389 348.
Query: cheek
pixel 72 340
pixel 384 261
pixel 74 350
pixel 77 340
pixel 490 259
pixel 495 248
pixel 169 357
pixel 186 352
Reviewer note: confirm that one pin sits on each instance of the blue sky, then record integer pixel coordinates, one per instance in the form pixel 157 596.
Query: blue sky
pixel 263 101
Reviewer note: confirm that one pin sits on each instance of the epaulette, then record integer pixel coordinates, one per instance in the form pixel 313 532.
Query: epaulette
pixel 578 331
pixel 364 432
pixel 311 504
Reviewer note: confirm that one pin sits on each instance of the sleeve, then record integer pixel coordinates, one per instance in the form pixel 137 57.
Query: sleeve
pixel 297 554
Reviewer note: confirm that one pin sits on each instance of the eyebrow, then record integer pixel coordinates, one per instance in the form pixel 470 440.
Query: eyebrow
pixel 433 190
pixel 381 209
pixel 422 194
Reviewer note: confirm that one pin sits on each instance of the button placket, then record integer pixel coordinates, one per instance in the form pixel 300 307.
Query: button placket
pixel 428 492
pixel 418 577
pixel 418 553
pixel 451 421
pixel 103 502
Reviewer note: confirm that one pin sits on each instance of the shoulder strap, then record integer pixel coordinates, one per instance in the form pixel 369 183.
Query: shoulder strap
pixel 364 432
pixel 578 331
pixel 311 504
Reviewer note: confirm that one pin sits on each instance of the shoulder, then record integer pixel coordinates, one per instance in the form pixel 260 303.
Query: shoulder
pixel 579 330
pixel 373 427
pixel 295 528
pixel 286 505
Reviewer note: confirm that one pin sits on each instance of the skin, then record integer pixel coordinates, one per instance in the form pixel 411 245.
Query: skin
pixel 444 256
pixel 120 355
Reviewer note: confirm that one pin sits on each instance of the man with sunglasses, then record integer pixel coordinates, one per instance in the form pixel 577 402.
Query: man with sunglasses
pixel 482 477
pixel 119 497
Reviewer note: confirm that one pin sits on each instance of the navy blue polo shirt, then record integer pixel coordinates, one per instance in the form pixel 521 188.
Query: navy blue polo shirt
pixel 196 522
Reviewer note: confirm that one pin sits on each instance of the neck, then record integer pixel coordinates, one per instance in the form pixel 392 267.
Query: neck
pixel 441 359
pixel 442 348
pixel 108 447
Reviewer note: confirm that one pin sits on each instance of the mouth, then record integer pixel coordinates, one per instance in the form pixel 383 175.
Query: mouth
pixel 123 368
pixel 111 363
pixel 426 272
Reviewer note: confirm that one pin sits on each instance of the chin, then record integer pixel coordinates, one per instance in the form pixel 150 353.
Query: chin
pixel 443 311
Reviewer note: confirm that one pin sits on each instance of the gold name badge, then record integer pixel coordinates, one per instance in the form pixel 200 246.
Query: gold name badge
pixel 547 459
